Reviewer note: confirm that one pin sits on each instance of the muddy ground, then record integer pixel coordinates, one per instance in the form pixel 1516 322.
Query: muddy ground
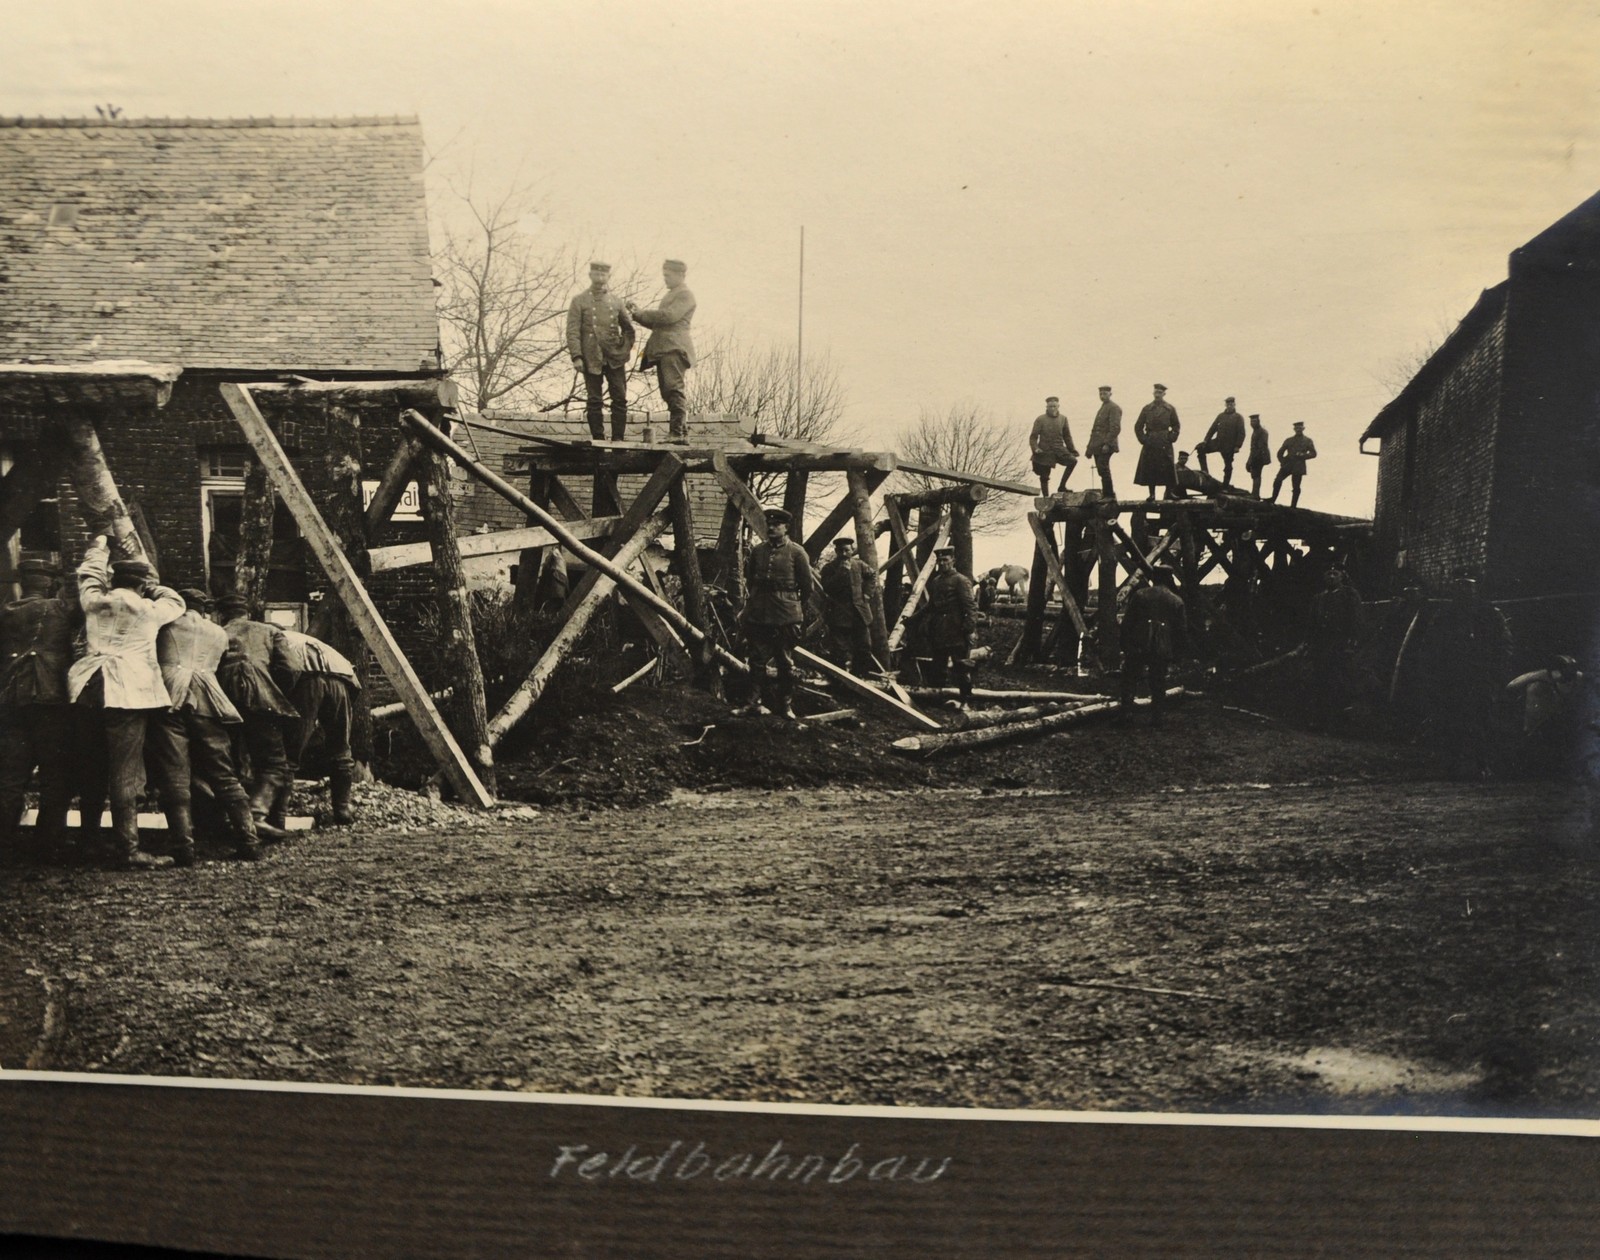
pixel 1218 914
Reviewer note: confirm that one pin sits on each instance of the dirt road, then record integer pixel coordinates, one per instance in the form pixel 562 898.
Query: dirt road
pixel 1386 947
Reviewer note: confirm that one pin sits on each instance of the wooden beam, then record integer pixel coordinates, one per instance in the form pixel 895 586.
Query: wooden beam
pixel 866 690
pixel 1053 567
pixel 252 563
pixel 954 741
pixel 532 687
pixel 739 495
pixel 894 569
pixel 458 644
pixel 98 499
pixel 794 498
pixel 844 510
pixel 440 441
pixel 668 470
pixel 392 485
pixel 562 499
pixel 942 496
pixel 350 589
pixel 503 541
pixel 867 547
pixel 917 589
pixel 432 392
pixel 686 555
pixel 1107 630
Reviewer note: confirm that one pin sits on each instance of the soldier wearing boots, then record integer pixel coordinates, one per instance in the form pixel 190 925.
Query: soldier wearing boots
pixel 780 586
pixel 670 349
pixel 36 634
pixel 948 623
pixel 252 668
pixel 118 676
pixel 1155 631
pixel 189 744
pixel 846 584
pixel 323 684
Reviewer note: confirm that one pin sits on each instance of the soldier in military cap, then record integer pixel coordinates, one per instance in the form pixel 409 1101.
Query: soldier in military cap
pixel 119 677
pixel 1297 448
pixel 1051 444
pixel 948 622
pixel 1156 429
pixel 600 340
pixel 1260 456
pixel 846 584
pixel 36 633
pixel 1224 437
pixel 670 349
pixel 1154 632
pixel 189 744
pixel 253 671
pixel 780 584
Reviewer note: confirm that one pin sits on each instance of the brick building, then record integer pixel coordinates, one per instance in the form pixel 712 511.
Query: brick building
pixel 250 251
pixel 1489 458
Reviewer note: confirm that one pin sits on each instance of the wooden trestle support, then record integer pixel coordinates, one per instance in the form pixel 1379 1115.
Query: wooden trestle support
pixel 1089 551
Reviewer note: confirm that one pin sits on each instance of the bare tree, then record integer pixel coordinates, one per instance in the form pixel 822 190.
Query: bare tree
pixel 757 382
pixel 967 439
pixel 1398 372
pixel 505 287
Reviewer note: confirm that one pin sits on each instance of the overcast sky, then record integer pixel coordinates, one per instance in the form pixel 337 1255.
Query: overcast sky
pixel 1002 200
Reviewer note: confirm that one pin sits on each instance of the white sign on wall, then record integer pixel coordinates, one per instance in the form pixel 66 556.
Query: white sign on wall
pixel 410 508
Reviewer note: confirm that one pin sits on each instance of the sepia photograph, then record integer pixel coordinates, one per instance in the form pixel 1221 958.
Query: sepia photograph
pixel 1027 564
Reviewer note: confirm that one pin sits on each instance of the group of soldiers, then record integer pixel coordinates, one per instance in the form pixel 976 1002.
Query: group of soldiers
pixel 1156 430
pixel 116 680
pixel 783 590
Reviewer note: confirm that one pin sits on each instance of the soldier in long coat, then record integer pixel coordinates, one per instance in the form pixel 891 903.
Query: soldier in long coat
pixel 323 687
pixel 119 677
pixel 1154 632
pixel 1224 437
pixel 846 584
pixel 253 671
pixel 781 584
pixel 948 622
pixel 189 743
pixel 1103 434
pixel 670 348
pixel 600 340
pixel 36 633
pixel 1050 442
pixel 1260 456
pixel 1157 431
pixel 1297 448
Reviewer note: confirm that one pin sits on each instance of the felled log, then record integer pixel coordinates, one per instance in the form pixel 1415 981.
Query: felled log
pixel 984 693
pixel 864 689
pixel 955 741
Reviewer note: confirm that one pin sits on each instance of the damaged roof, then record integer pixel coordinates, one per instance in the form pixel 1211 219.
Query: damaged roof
pixel 265 244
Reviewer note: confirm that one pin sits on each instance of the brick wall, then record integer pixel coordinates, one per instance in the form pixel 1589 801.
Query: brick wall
pixel 1435 496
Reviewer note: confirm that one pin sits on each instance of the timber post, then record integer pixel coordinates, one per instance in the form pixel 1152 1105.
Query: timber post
pixel 867 548
pixel 460 647
pixel 961 536
pixel 686 561
pixel 253 562
pixel 1106 630
pixel 894 576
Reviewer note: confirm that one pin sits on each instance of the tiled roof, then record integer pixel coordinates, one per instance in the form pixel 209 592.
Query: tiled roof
pixel 271 244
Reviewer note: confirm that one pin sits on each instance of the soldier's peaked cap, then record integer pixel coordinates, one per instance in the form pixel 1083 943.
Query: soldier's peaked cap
pixel 1162 388
pixel 1052 398
pixel 944 551
pixel 600 267
pixel 130 568
pixel 232 601
pixel 673 264
pixel 844 542
pixel 196 598
pixel 777 516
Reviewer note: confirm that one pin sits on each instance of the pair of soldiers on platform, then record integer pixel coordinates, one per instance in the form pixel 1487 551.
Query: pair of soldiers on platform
pixel 1050 443
pixel 600 339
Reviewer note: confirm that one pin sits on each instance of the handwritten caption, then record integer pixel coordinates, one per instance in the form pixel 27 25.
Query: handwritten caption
pixel 681 1162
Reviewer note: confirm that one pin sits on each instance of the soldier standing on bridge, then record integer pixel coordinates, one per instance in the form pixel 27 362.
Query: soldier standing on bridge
pixel 1224 437
pixel 670 348
pixel 1155 631
pixel 1260 454
pixel 600 340
pixel 1292 456
pixel 1051 444
pixel 1103 434
pixel 781 585
pixel 1157 430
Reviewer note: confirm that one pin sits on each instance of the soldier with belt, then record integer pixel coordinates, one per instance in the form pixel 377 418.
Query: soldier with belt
pixel 1102 444
pixel 1292 456
pixel 189 743
pixel 1157 430
pixel 780 585
pixel 253 671
pixel 1051 443
pixel 1260 456
pixel 1155 630
pixel 670 349
pixel 948 623
pixel 36 633
pixel 846 584
pixel 600 340
pixel 120 679
pixel 323 684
